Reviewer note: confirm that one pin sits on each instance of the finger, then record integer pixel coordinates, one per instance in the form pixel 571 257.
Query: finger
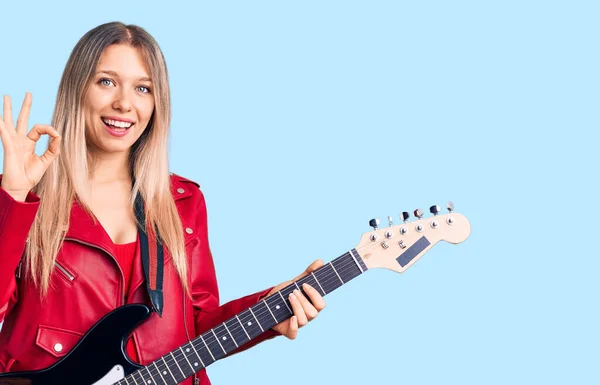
pixel 298 309
pixel 51 153
pixel 54 146
pixel 315 297
pixel 312 267
pixel 39 129
pixel 3 132
pixel 309 309
pixel 292 331
pixel 47 158
pixel 8 112
pixel 23 119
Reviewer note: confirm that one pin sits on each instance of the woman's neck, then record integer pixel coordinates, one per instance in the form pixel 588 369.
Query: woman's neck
pixel 110 167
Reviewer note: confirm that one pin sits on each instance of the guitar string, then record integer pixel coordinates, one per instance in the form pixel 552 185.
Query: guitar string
pixel 328 276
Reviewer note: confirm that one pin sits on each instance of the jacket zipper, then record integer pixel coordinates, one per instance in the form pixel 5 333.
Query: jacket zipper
pixel 70 276
pixel 113 258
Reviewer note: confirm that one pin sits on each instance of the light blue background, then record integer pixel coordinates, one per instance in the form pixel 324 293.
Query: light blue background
pixel 304 120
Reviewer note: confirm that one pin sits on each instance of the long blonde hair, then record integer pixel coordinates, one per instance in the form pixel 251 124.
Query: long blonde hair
pixel 68 177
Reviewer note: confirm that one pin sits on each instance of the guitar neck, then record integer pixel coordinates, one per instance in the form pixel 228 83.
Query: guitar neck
pixel 223 339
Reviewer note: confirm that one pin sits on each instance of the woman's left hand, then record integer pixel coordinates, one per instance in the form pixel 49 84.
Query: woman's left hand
pixel 304 310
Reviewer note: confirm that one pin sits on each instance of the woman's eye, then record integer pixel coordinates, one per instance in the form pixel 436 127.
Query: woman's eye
pixel 144 89
pixel 106 82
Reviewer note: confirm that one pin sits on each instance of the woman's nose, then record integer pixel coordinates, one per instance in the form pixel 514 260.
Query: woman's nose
pixel 122 101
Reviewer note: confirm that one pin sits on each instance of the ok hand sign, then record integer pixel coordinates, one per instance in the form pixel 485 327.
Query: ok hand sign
pixel 23 168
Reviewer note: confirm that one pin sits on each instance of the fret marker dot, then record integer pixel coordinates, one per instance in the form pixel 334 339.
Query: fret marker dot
pixel 195 364
pixel 249 323
pixel 224 338
pixel 277 307
pixel 187 350
pixel 164 372
pixel 149 381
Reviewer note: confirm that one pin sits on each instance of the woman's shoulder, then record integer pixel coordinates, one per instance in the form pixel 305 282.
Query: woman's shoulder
pixel 183 187
pixel 175 178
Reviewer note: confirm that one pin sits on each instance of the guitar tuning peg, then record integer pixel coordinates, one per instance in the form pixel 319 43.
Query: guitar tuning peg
pixel 435 209
pixel 374 223
pixel 405 216
pixel 391 221
pixel 450 206
pixel 419 213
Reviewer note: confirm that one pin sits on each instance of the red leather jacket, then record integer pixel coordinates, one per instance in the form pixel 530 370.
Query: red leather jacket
pixel 87 283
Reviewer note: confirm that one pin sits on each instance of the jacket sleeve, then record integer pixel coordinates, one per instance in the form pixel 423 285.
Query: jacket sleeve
pixel 16 218
pixel 205 293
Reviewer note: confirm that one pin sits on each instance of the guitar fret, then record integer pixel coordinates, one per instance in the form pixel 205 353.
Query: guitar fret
pixel 323 276
pixel 126 382
pixel 219 342
pixel 161 376
pixel 242 325
pixel 207 348
pixel 310 279
pixel 356 261
pixel 278 307
pixel 169 369
pixel 251 324
pixel 272 315
pixel 287 291
pixel 185 356
pixel 237 333
pixel 230 335
pixel 176 363
pixel 347 264
pixel 336 273
pixel 285 302
pixel 225 338
pixel 197 355
pixel 259 325
pixel 297 287
pixel 150 374
pixel 317 281
pixel 133 376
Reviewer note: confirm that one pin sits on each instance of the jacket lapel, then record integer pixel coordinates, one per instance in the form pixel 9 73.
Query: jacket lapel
pixel 83 228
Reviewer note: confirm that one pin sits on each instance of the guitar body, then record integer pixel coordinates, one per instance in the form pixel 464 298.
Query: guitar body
pixel 98 359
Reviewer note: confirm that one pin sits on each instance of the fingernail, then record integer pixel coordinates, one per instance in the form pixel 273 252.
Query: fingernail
pixel 296 291
pixel 292 296
pixel 306 285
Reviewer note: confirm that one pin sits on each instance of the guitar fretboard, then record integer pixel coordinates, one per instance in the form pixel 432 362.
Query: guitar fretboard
pixel 223 339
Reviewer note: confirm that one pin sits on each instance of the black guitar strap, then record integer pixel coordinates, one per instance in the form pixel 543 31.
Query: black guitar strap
pixel 152 257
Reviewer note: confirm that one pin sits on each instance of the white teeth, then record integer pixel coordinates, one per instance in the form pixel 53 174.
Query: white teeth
pixel 117 123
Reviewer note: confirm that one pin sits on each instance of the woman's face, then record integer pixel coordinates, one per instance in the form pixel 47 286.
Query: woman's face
pixel 119 101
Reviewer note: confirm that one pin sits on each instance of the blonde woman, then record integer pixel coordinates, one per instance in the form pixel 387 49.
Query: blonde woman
pixel 71 241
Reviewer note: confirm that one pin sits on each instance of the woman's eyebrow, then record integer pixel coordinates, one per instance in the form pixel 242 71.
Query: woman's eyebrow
pixel 113 73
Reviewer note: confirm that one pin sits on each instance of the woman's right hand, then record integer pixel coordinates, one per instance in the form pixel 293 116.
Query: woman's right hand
pixel 23 168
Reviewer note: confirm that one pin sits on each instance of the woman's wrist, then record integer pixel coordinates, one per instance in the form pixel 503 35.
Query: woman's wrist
pixel 19 196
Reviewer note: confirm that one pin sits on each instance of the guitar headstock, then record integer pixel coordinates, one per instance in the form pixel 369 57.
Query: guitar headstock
pixel 399 247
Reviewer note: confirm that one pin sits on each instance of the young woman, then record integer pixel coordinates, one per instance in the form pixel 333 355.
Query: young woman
pixel 69 239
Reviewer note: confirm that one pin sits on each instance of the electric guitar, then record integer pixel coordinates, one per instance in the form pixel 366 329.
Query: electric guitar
pixel 395 247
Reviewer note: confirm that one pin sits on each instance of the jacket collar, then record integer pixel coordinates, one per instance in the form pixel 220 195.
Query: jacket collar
pixel 83 229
